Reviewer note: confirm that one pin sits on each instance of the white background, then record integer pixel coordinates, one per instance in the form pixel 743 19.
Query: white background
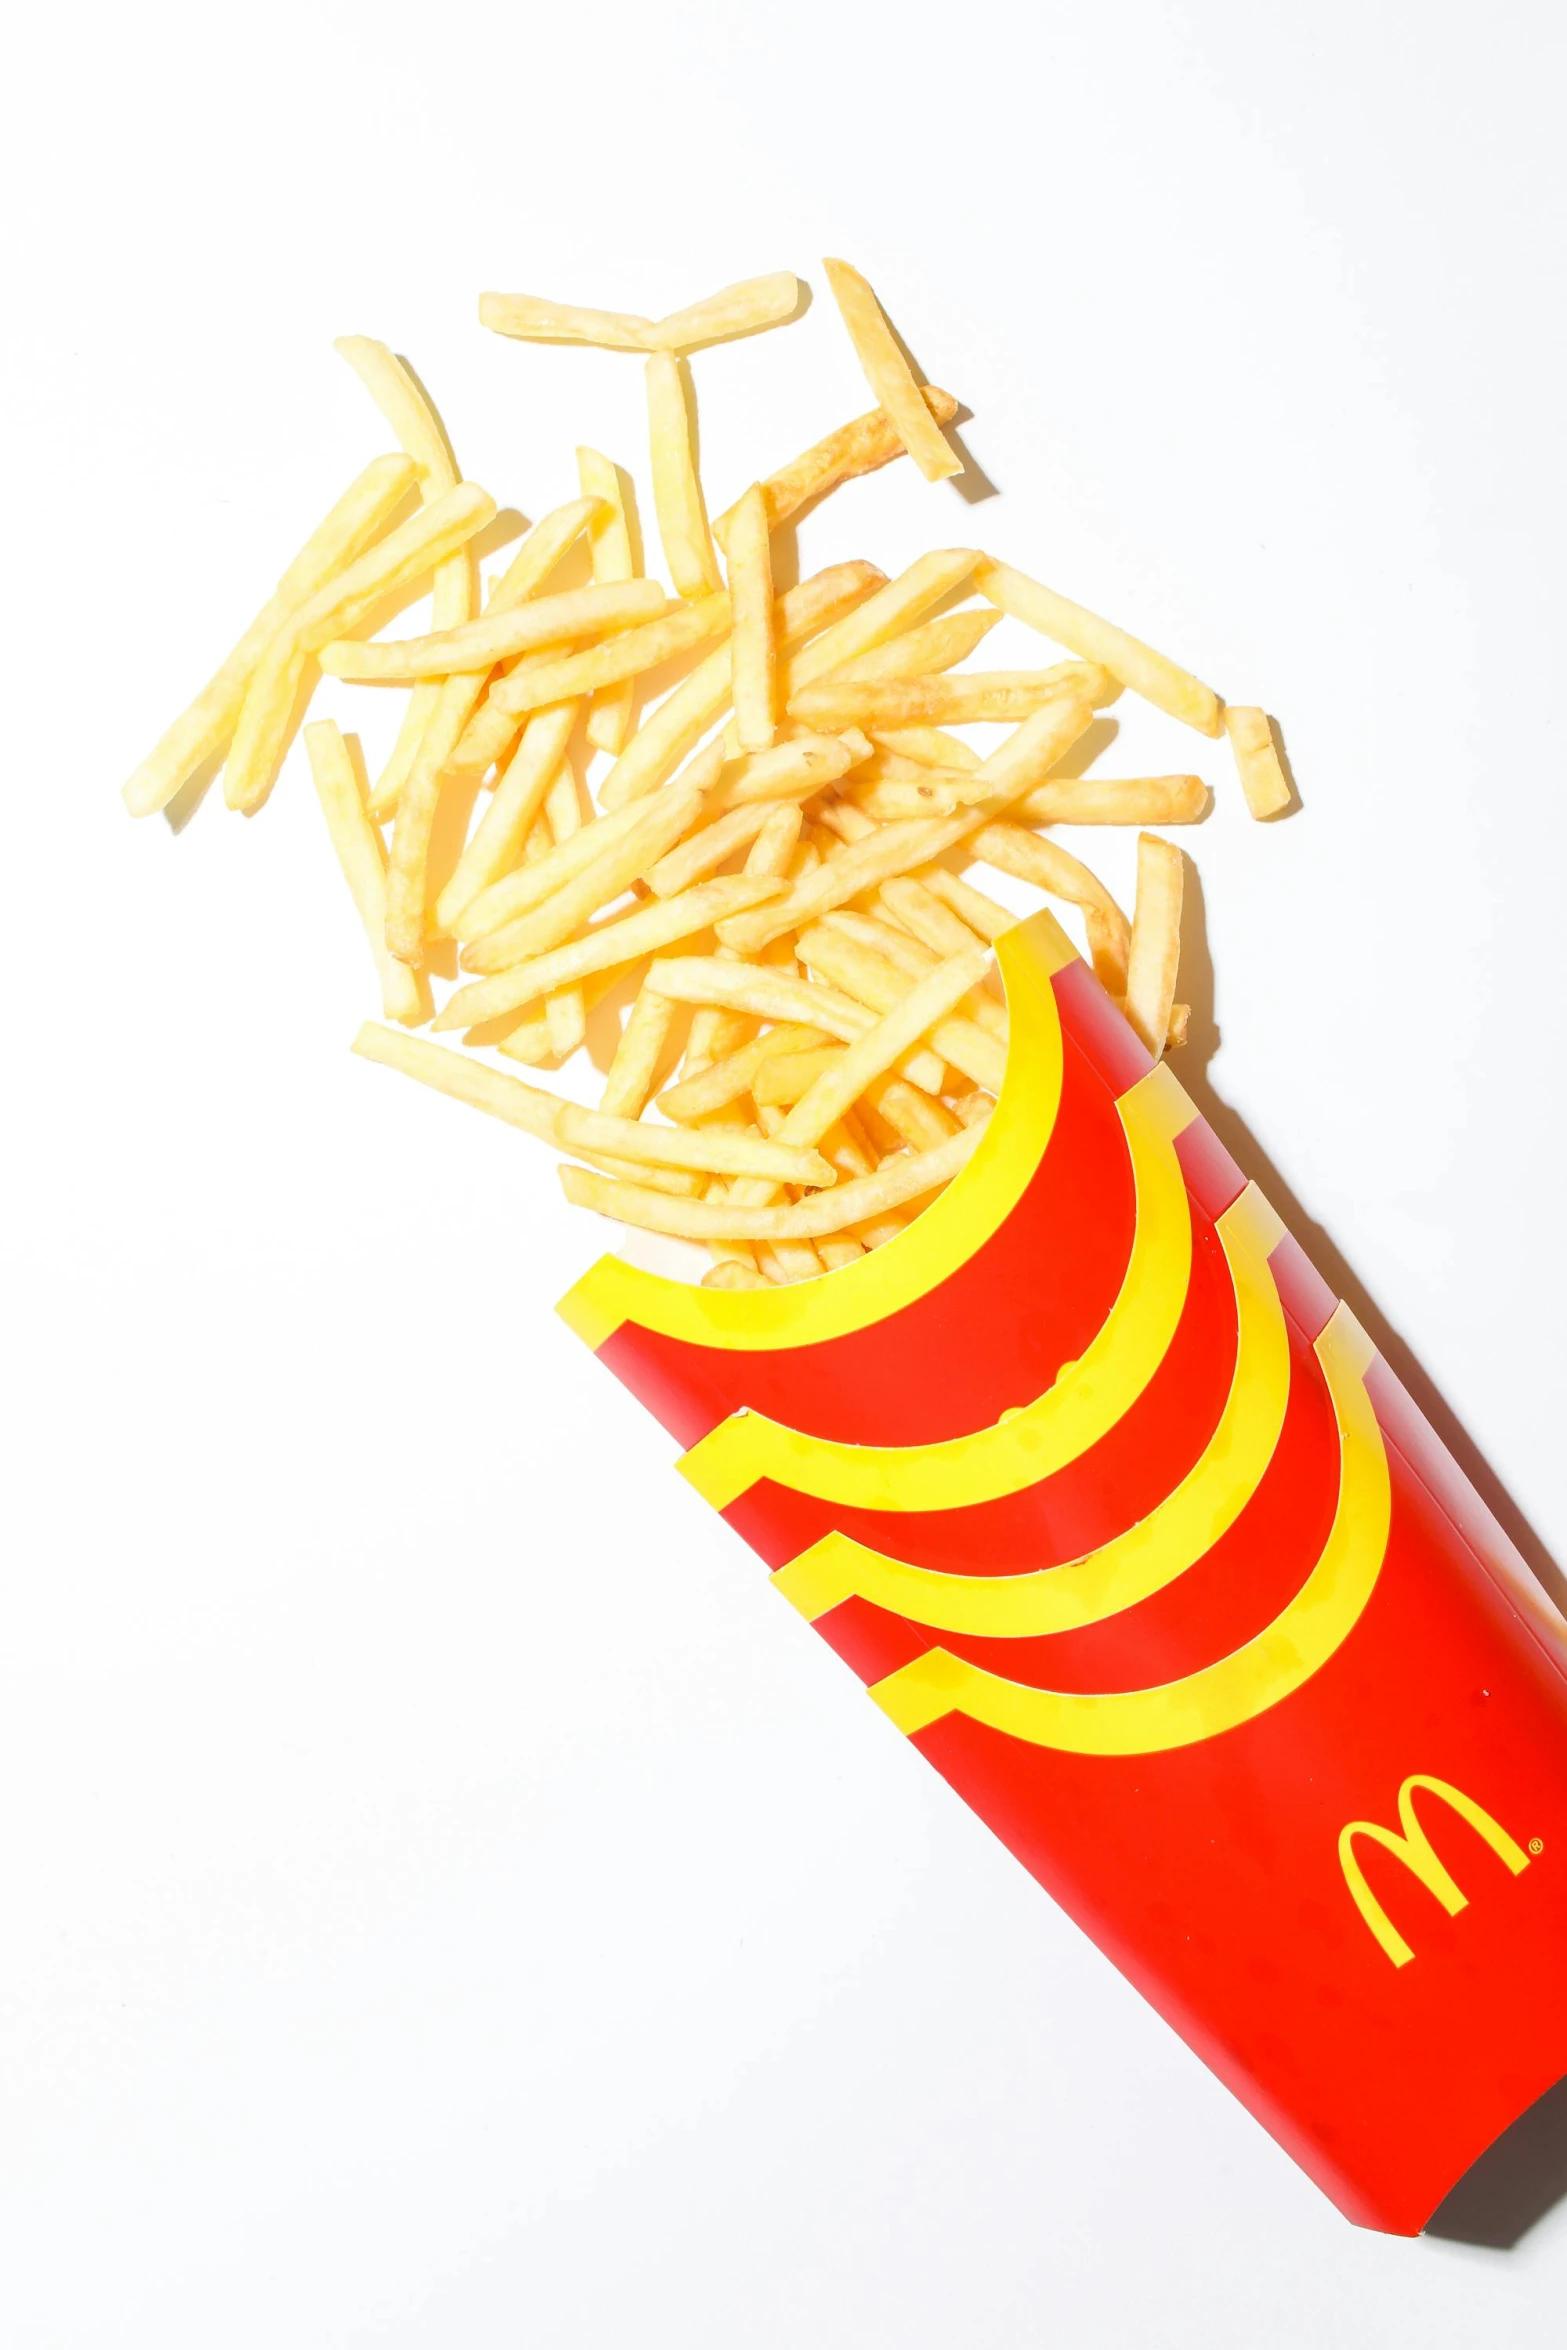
pixel 447 1899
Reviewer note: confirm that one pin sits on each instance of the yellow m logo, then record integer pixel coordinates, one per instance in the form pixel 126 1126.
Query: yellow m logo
pixel 1413 1849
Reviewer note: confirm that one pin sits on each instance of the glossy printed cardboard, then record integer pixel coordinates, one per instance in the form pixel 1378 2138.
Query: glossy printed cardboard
pixel 1119 1517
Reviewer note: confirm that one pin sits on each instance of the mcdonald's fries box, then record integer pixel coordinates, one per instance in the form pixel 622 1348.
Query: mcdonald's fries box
pixel 1117 1515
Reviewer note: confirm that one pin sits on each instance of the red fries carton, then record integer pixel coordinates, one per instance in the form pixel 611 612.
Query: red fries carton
pixel 1117 1514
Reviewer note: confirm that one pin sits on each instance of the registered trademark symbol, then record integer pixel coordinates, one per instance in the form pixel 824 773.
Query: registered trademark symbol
pixel 1537 1844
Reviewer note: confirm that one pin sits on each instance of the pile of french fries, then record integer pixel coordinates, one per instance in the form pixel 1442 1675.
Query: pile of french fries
pixel 771 876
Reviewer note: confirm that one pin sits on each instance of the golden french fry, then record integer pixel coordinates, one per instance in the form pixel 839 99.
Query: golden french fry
pixel 764 990
pixel 1155 953
pixel 498 838
pixel 917 701
pixel 685 715
pixel 861 446
pixel 464 1080
pixel 867 976
pixel 515 892
pixel 735 310
pixel 755 663
pixel 609 720
pixel 677 492
pixel 916 1117
pixel 415 546
pixel 496 635
pixel 1049 867
pixel 624 940
pixel 529 319
pixel 411 414
pixel 886 803
pixel 734 1273
pixel 924 651
pixel 923 1010
pixel 706 850
pixel 875 619
pixel 796 769
pixel 529 1041
pixel 981 913
pixel 1180 1023
pixel 726 1081
pixel 626 655
pixel 417 714
pixel 783 1077
pixel 888 373
pixel 363 859
pixel 1157 679
pixel 642 1040
pixel 537 557
pixel 914 904
pixel 712 1150
pixel 1121 799
pixel 406 409
pixel 772 851
pixel 565 1013
pixel 1257 762
pixel 928 746
pixel 903 1178
pixel 915 960
pixel 206 726
pixel 597 884
pixel 565 1016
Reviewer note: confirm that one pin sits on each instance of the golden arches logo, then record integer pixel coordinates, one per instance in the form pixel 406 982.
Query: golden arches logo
pixel 1412 1849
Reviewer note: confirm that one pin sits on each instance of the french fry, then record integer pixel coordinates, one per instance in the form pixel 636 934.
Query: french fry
pixel 528 318
pixel 1122 799
pixel 677 492
pixel 772 851
pixel 726 1081
pixel 1257 762
pixel 1023 760
pixel 496 635
pixel 529 885
pixel 415 546
pixel 498 838
pixel 1155 954
pixel 609 720
pixel 862 446
pixel 402 400
pixel 624 940
pixel 631 653
pixel 917 701
pixel 796 769
pixel 529 1041
pixel 754 659
pixel 706 850
pixel 565 1013
pixel 887 613
pixel 980 912
pixel 888 373
pixel 928 745
pixel 887 803
pixel 203 729
pixel 783 1077
pixel 866 976
pixel 642 1040
pixel 404 997
pixel 924 915
pixel 734 1273
pixel 536 558
pixel 916 1117
pixel 464 1080
pixel 741 309
pixel 923 651
pixel 684 716
pixel 1157 679
pixel 597 884
pixel 712 1150
pixel 760 989
pixel 914 959
pixel 908 1177
pixel 1012 850
pixel 922 1011
pixel 590 889
pixel 565 1016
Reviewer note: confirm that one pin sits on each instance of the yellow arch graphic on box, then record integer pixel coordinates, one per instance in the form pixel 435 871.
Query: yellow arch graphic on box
pixel 1161 1546
pixel 1031 1442
pixel 1258 1675
pixel 1416 1852
pixel 918 1259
